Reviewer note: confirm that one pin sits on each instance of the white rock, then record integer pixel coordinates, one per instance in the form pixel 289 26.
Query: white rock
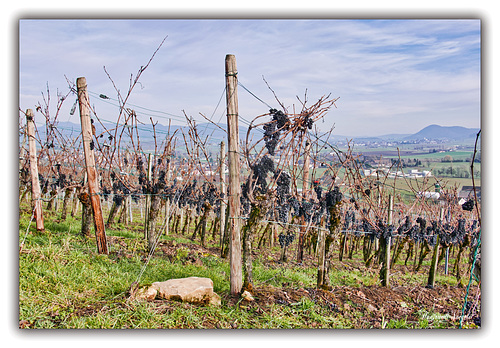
pixel 192 289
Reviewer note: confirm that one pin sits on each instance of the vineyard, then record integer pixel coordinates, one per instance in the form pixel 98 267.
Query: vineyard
pixel 115 207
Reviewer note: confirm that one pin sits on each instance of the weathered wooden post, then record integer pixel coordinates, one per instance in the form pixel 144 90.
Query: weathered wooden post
pixel 35 182
pixel 88 146
pixel 223 203
pixel 235 261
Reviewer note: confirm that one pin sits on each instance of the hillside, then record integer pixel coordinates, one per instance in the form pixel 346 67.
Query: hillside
pixel 435 132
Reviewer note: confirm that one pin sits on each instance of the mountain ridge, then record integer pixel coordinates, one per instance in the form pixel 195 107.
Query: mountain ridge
pixel 436 132
pixel 212 132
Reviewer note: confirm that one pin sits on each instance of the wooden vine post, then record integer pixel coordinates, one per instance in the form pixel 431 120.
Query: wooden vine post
pixel 235 260
pixel 223 203
pixel 93 184
pixel 35 182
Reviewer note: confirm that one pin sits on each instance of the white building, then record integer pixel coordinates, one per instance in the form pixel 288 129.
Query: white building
pixel 428 194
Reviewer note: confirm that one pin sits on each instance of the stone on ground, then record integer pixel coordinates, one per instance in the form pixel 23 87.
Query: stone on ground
pixel 192 289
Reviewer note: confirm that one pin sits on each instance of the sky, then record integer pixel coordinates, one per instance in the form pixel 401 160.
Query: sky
pixel 391 76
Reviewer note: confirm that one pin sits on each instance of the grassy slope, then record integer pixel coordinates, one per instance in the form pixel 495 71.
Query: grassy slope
pixel 64 283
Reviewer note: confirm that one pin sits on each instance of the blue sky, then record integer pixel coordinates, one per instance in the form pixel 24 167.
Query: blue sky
pixel 416 73
pixel 392 76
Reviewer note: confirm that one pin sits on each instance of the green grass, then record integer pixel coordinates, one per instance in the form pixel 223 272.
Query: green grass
pixel 64 283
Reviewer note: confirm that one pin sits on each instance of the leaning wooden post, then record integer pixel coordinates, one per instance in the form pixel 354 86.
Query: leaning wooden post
pixel 435 258
pixel 223 203
pixel 88 145
pixel 35 183
pixel 235 261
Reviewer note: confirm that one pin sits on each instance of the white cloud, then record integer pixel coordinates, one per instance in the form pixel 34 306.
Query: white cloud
pixel 380 69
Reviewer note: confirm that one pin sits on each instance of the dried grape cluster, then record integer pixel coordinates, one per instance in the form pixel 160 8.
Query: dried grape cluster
pixel 447 233
pixel 333 197
pixel 186 196
pixel 285 239
pixel 282 186
pixel 307 121
pixel 281 119
pixel 273 129
pixel 118 199
pixel 244 200
pixel 283 212
pixel 260 170
pixel 310 210
pixel 271 137
pixel 105 192
pixel 61 180
pixel 283 194
pixel 385 231
pixel 469 205
pixel 208 195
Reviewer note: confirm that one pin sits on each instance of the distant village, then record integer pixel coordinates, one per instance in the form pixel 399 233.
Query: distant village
pixel 384 170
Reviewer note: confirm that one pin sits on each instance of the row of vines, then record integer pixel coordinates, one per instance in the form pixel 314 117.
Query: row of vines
pixel 292 193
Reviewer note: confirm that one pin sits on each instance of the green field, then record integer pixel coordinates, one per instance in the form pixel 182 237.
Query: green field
pixel 456 155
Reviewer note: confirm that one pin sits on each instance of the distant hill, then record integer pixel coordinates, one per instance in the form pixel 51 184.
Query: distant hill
pixel 432 132
pixel 214 134
pixel 435 132
pixel 206 131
